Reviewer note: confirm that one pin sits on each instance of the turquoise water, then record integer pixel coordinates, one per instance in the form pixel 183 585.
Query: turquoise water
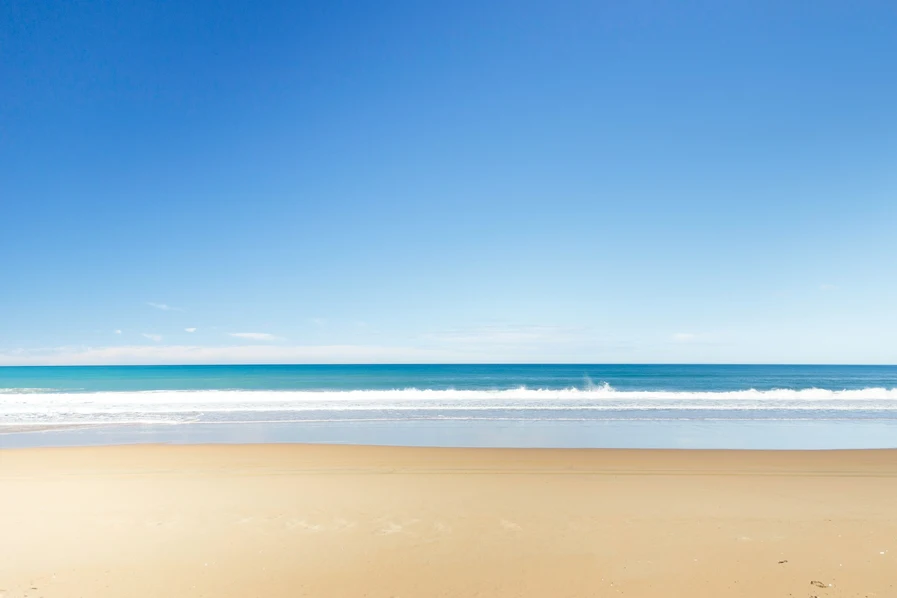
pixel 466 405
pixel 708 378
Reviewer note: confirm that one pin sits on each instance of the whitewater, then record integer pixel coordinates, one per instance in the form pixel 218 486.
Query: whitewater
pixel 30 406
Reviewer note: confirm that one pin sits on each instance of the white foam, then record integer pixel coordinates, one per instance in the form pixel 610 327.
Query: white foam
pixel 42 407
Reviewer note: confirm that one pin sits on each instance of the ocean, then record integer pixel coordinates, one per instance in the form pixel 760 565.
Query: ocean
pixel 612 406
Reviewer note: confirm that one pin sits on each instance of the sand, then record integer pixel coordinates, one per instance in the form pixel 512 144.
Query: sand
pixel 294 520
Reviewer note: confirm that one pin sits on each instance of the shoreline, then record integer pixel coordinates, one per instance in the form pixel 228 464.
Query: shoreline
pixel 361 447
pixel 343 520
pixel 819 434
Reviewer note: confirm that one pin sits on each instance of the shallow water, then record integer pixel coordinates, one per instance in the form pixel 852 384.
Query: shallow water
pixel 693 434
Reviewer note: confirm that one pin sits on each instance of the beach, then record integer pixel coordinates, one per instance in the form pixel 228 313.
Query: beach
pixel 316 520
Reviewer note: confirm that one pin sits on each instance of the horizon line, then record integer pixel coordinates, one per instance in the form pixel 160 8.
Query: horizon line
pixel 447 363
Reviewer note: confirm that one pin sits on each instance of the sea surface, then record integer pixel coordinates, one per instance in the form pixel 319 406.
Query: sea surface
pixel 624 406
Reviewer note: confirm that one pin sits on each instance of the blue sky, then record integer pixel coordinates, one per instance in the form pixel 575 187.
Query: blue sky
pixel 458 181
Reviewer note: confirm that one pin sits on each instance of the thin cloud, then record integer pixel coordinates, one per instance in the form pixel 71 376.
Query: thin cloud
pixel 153 337
pixel 684 337
pixel 189 329
pixel 828 287
pixel 255 354
pixel 256 336
pixel 318 321
pixel 116 331
pixel 164 306
pixel 506 335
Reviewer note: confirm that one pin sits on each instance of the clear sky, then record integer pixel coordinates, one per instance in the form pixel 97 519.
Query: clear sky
pixel 448 181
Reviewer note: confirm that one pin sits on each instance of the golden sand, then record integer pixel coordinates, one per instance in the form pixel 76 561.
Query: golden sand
pixel 293 520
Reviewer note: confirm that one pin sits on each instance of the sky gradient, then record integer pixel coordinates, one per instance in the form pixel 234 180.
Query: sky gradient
pixel 230 182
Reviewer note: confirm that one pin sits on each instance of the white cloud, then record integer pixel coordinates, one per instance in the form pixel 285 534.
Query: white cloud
pixel 162 354
pixel 684 337
pixel 828 287
pixel 256 336
pixel 153 337
pixel 189 329
pixel 191 354
pixel 117 331
pixel 164 306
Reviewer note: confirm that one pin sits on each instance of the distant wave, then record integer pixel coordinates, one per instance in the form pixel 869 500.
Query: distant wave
pixel 31 406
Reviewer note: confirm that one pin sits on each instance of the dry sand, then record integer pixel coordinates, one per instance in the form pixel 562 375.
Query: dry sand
pixel 293 520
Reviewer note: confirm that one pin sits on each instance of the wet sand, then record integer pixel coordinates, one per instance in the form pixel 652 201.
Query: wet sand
pixel 305 520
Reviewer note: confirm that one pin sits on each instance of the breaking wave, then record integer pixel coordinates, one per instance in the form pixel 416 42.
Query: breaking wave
pixel 29 407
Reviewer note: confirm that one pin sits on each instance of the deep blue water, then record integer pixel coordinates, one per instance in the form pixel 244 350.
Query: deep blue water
pixel 701 378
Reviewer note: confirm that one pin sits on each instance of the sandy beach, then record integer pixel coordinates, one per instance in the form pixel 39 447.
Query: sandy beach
pixel 302 520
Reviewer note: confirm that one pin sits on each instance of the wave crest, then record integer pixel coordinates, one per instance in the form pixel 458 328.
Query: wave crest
pixel 599 397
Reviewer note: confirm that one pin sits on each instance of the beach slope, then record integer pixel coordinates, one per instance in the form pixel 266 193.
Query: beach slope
pixel 301 520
